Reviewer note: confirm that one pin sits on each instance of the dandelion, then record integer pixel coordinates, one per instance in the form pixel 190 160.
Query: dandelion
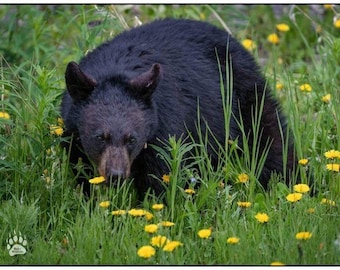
pixel 244 204
pixel 170 246
pixel 56 130
pixel 158 206
pixel 97 180
pixel 325 201
pixel 303 235
pixel 282 27
pixel 294 197
pixel 243 178
pixel 148 215
pixel 273 38
pixel 301 188
pixel 262 217
pixel 305 87
pixel 60 121
pixel 336 22
pixel 326 98
pixel 159 241
pixel 248 44
pixel 189 191
pixel 5 115
pixel 233 240
pixel 204 233
pixel 333 167
pixel 167 223
pixel 303 161
pixel 118 212
pixel 146 252
pixel 279 86
pixel 311 210
pixel 166 178
pixel 332 154
pixel 136 212
pixel 151 228
pixel 104 204
pixel 328 6
pixel 277 263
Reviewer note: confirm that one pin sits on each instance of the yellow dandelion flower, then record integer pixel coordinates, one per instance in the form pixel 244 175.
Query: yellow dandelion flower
pixel 310 210
pixel 5 115
pixel 158 206
pixel 249 44
pixel 166 178
pixel 279 86
pixel 305 87
pixel 167 223
pixel 282 27
pixel 159 241
pixel 170 246
pixel 273 38
pixel 326 98
pixel 136 212
pixel 60 121
pixel 146 252
pixel 244 204
pixel 243 178
pixel 328 6
pixel 148 215
pixel 151 228
pixel 333 167
pixel 277 263
pixel 325 201
pixel 336 23
pixel 97 180
pixel 104 204
pixel 204 233
pixel 301 188
pixel 118 212
pixel 189 191
pixel 303 235
pixel 294 197
pixel 262 217
pixel 56 130
pixel 303 161
pixel 332 154
pixel 233 240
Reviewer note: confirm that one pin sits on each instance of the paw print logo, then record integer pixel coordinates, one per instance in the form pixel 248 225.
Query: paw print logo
pixel 16 245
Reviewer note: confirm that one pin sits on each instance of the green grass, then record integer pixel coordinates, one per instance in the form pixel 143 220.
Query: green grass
pixel 37 189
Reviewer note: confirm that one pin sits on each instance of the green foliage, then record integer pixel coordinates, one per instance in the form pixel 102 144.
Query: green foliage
pixel 37 188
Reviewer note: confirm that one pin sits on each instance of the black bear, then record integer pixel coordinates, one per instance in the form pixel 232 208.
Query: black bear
pixel 147 84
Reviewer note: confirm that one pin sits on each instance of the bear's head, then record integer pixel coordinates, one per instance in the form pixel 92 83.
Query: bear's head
pixel 115 117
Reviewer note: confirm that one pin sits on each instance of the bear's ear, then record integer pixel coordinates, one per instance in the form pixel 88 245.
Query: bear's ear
pixel 78 84
pixel 144 85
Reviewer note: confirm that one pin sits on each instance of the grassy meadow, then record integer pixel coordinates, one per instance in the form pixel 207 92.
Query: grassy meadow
pixel 229 219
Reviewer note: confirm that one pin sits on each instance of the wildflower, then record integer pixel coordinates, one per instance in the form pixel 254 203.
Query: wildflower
pixel 276 263
pixel 233 240
pixel 167 223
pixel 243 178
pixel 325 201
pixel 294 197
pixel 104 204
pixel 326 98
pixel 60 121
pixel 204 233
pixel 310 210
pixel 159 241
pixel 189 191
pixel 336 22
pixel 244 204
pixel 97 180
pixel 303 235
pixel 273 38
pixel 151 228
pixel 136 212
pixel 279 86
pixel 170 246
pixel 303 161
pixel 5 115
pixel 118 212
pixel 301 188
pixel 262 217
pixel 166 178
pixel 305 87
pixel 148 215
pixel 248 44
pixel 332 154
pixel 328 6
pixel 333 167
pixel 158 206
pixel 56 130
pixel 282 27
pixel 146 252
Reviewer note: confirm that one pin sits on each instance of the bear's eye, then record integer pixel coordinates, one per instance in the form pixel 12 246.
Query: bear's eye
pixel 103 137
pixel 130 140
